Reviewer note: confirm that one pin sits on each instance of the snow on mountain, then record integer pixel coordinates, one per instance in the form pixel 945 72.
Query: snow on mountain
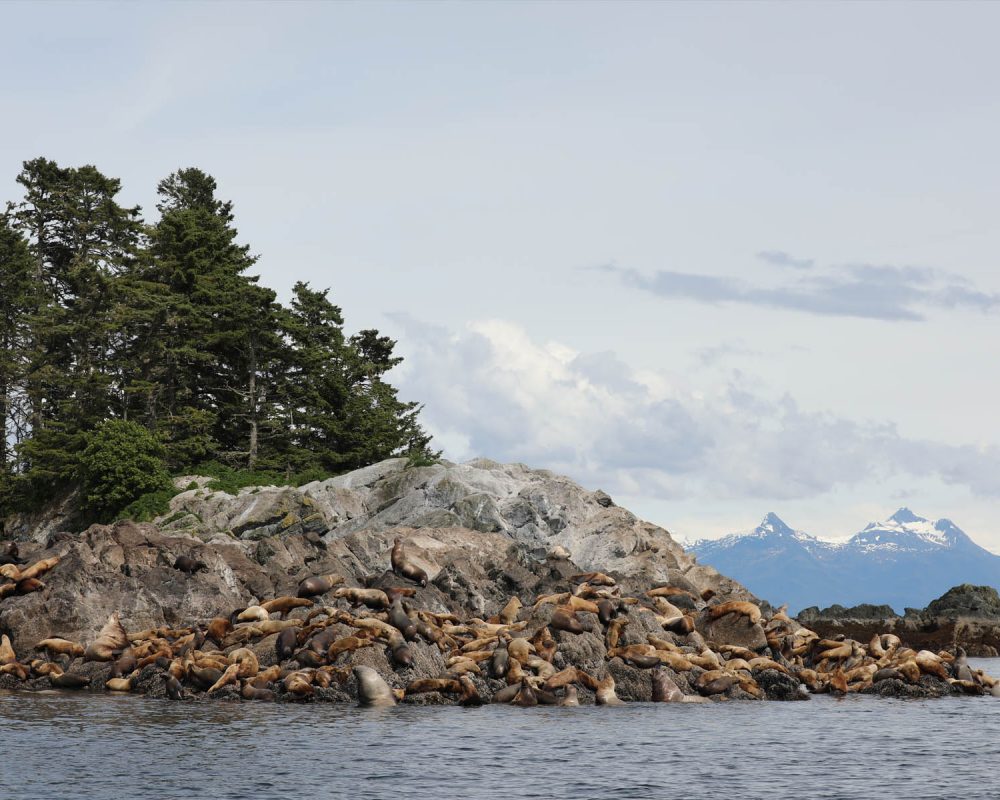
pixel 904 561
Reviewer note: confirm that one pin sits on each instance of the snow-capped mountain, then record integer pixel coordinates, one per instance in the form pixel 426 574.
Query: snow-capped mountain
pixel 905 561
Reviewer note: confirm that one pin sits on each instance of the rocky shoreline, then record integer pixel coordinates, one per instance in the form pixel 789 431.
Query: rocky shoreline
pixel 508 585
pixel 965 616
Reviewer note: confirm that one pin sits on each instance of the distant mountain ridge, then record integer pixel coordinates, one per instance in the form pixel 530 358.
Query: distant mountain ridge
pixel 904 561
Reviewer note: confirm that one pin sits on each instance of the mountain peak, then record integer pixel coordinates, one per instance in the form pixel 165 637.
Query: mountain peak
pixel 773 522
pixel 904 515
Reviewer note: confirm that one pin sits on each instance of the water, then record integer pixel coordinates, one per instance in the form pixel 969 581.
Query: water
pixel 103 747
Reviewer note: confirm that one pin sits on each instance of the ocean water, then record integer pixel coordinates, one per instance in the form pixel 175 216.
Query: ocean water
pixel 85 746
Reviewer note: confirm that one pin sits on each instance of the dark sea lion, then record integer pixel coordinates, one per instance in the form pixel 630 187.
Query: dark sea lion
pixel 565 621
pixel 499 662
pixel 320 642
pixel 373 691
pixel 403 567
pixel 309 658
pixel 319 584
pixel 402 655
pixel 174 689
pixel 507 693
pixel 399 619
pixel 664 689
pixel 526 695
pixel 607 611
pixel 69 680
pixel 204 677
pixel 251 692
pixel 189 565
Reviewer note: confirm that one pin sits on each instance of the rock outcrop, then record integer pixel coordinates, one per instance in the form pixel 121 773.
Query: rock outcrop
pixel 965 616
pixel 537 509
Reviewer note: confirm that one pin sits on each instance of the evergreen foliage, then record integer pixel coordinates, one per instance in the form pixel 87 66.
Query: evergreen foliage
pixel 111 327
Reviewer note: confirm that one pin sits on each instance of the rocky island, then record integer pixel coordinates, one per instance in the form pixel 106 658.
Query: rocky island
pixel 456 583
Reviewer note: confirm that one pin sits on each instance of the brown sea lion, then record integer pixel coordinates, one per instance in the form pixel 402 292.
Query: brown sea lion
pixel 7 654
pixel 566 621
pixel 424 685
pixel 251 692
pixel 747 609
pixel 372 598
pixel 282 605
pixel 403 567
pixel 319 584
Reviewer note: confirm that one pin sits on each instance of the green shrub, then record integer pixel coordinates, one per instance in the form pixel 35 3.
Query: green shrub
pixel 149 506
pixel 121 462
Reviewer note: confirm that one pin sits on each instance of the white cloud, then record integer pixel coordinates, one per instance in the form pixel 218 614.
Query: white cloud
pixel 491 390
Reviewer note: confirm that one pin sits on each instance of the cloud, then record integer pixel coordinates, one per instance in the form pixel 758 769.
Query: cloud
pixel 867 291
pixel 779 258
pixel 490 390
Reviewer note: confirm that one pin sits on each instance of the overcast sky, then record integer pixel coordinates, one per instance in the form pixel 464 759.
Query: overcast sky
pixel 718 260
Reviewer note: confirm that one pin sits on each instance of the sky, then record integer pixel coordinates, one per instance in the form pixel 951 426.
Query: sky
pixel 717 259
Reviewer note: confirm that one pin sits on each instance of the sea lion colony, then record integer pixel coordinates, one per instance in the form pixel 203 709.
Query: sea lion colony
pixel 307 647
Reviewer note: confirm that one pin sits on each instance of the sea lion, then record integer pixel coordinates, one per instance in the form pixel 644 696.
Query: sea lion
pixel 402 655
pixel 217 629
pixel 7 654
pixel 282 605
pixel 959 667
pixel 189 565
pixel 682 625
pixel 372 598
pixel 606 611
pixel 392 592
pixel 399 619
pixel 372 689
pixel 664 689
pixel 595 578
pixel 605 691
pixel 119 684
pixel 526 696
pixel 507 693
pixel 37 569
pixel 499 662
pixel 470 694
pixel 424 685
pixel 403 567
pixel 319 584
pixel 566 621
pixel 68 680
pixel 251 692
pixel 111 640
pixel 16 669
pixel 286 644
pixel 570 698
pixel 509 612
pixel 747 609
pixel 252 614
pixel 203 677
pixel 173 686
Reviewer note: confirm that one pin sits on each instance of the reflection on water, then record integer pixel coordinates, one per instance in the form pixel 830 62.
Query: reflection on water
pixel 85 746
